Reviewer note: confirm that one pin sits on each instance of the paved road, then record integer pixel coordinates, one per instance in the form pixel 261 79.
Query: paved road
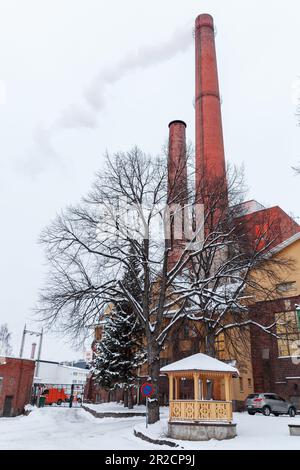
pixel 64 428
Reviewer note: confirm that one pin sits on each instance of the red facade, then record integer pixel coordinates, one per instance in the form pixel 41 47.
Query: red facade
pixel 269 227
pixel 16 379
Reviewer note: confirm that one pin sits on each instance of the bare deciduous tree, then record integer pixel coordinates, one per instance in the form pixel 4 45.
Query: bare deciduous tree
pixel 88 245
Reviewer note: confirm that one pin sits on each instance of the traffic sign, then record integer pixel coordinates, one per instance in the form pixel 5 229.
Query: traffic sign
pixel 147 389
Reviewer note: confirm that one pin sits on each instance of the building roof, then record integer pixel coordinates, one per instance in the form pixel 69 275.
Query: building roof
pixel 248 207
pixel 13 358
pixel 285 244
pixel 199 362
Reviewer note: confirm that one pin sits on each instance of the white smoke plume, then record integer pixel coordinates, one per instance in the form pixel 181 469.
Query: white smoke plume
pixel 84 115
pixel 41 154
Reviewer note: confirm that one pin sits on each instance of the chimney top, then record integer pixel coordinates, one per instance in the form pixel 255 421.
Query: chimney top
pixel 177 121
pixel 204 20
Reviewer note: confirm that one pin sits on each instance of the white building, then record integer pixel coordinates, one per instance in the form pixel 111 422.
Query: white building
pixel 58 374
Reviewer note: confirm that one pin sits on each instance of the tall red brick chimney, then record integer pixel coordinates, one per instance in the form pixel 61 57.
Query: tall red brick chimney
pixel 177 187
pixel 210 159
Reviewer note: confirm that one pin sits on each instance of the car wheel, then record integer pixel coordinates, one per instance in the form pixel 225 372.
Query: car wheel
pixel 59 402
pixel 266 410
pixel 292 412
pixel 251 413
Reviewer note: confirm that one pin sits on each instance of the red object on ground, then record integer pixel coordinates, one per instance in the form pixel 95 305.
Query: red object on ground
pixel 55 395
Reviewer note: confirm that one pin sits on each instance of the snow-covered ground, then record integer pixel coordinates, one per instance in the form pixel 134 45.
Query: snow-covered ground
pixel 253 432
pixel 65 428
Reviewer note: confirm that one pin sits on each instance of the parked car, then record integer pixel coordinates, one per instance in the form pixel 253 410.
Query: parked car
pixel 268 403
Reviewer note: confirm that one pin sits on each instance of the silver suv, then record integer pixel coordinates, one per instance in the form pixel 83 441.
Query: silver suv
pixel 268 403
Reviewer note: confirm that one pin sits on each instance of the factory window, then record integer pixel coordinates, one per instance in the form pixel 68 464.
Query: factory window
pixel 1 383
pixel 286 287
pixel 249 383
pixel 288 332
pixel 241 384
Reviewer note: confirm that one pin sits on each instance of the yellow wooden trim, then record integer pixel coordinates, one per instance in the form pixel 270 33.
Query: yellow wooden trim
pixel 200 410
pixel 227 388
pixel 190 374
pixel 171 387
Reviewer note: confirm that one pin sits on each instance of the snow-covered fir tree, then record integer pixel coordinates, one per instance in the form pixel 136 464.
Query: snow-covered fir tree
pixel 120 352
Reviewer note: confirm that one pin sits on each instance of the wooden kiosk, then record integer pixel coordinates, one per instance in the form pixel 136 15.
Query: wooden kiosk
pixel 208 413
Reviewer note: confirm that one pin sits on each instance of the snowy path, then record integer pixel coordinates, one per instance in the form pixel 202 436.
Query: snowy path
pixel 64 428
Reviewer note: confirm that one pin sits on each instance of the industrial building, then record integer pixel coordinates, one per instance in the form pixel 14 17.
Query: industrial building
pixel 54 373
pixel 16 379
pixel 270 366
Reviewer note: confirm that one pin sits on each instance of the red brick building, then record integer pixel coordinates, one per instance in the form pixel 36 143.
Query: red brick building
pixel 276 359
pixel 16 378
pixel 273 369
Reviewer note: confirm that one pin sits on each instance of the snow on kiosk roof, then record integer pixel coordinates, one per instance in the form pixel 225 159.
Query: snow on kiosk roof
pixel 199 362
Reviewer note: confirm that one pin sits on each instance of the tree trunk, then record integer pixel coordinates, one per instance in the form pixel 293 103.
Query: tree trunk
pixel 210 343
pixel 125 398
pixel 154 367
pixel 210 351
pixel 130 399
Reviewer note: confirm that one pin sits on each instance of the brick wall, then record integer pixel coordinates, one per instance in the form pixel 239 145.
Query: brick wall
pixel 270 372
pixel 16 382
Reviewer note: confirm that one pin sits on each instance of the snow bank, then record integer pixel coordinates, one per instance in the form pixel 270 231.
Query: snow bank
pixel 29 407
pixel 155 431
pixel 114 407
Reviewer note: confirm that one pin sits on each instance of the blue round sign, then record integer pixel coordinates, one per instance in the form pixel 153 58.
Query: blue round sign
pixel 147 389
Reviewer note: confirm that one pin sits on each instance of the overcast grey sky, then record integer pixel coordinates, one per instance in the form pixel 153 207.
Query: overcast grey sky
pixel 83 76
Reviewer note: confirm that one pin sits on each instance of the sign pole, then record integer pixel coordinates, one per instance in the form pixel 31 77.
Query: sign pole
pixel 147 390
